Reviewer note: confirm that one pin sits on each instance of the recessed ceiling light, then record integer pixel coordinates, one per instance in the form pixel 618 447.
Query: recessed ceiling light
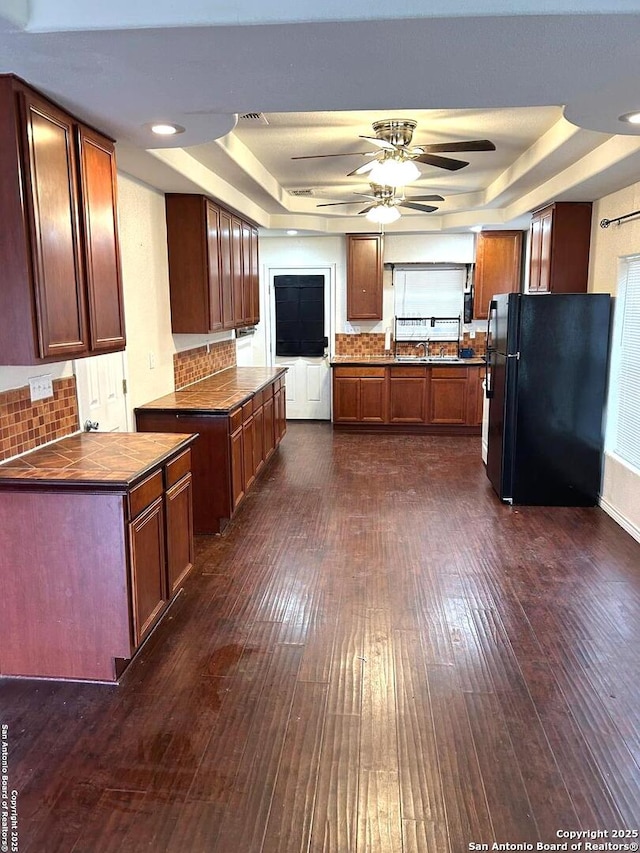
pixel 166 129
pixel 292 232
pixel 630 118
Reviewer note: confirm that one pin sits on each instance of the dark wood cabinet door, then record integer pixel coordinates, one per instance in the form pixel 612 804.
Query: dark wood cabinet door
pixel 269 427
pixel 52 203
pixel 346 399
pixel 258 439
pixel 102 252
pixel 560 240
pixel 474 396
pixel 364 277
pixel 248 438
pixel 226 270
pixel 498 267
pixel 255 278
pixel 280 413
pixel 148 568
pixel 237 274
pixel 237 468
pixel 448 398
pixel 179 512
pixel 247 288
pixel 407 399
pixel 373 400
pixel 213 267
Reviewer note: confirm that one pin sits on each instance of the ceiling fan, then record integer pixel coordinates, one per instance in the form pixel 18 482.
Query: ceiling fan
pixel 386 203
pixel 394 164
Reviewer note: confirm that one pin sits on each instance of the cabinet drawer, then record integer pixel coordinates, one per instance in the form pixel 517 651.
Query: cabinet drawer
pixel 177 468
pixel 258 399
pixel 411 371
pixel 247 410
pixel 268 392
pixel 359 371
pixel 145 493
pixel 235 420
pixel 449 372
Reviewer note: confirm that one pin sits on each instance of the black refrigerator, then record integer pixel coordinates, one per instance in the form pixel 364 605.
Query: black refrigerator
pixel 547 363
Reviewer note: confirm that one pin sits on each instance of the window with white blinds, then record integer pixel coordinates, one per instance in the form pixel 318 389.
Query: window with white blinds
pixel 434 291
pixel 625 378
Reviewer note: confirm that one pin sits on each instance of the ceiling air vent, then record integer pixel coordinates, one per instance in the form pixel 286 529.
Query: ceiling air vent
pixel 253 118
pixel 300 192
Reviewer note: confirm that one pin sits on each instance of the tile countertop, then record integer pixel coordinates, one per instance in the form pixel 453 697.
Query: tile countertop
pixel 383 360
pixel 112 460
pixel 220 393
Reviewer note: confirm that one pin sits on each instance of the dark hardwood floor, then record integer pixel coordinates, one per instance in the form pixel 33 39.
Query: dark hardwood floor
pixel 378 656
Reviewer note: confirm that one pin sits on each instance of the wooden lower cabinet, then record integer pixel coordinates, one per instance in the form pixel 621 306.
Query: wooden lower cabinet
pixel 232 448
pixel 448 396
pixel 359 395
pixel 97 570
pixel 148 569
pixel 179 523
pixel 408 398
pixel 407 395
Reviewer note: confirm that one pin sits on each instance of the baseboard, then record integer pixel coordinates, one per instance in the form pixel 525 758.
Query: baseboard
pixel 620 519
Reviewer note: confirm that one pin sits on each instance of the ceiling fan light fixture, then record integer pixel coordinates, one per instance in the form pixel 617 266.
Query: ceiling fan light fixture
pixel 383 214
pixel 394 172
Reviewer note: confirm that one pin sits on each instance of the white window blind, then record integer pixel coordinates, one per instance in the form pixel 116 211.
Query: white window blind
pixel 435 291
pixel 626 366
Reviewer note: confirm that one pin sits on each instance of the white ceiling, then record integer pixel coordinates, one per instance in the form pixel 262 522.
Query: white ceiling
pixel 546 88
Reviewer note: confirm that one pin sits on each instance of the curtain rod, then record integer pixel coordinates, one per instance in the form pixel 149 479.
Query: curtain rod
pixel 605 223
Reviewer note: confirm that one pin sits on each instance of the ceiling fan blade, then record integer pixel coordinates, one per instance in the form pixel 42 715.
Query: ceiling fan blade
pixel 346 154
pixel 441 162
pixel 426 198
pixel 425 208
pixel 367 209
pixel 381 143
pixel 334 203
pixel 469 145
pixel 361 170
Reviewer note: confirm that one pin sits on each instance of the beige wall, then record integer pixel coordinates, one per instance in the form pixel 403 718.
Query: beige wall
pixel 145 278
pixel 621 486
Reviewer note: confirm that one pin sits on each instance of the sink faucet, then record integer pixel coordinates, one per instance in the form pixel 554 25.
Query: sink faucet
pixel 422 344
pixel 443 351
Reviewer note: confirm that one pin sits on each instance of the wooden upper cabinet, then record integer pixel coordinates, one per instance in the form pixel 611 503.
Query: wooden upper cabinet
pixel 237 272
pixel 99 206
pixel 62 294
pixel 364 277
pixel 560 238
pixel 226 270
pixel 498 267
pixel 213 266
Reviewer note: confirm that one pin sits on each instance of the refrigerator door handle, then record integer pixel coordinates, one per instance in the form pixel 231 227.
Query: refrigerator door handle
pixel 488 376
pixel 488 390
pixel 493 306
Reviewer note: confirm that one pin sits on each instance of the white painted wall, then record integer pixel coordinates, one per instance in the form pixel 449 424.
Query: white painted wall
pixel 621 485
pixel 18 377
pixel 300 252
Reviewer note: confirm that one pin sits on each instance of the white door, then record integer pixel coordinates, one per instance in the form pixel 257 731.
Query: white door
pixel 308 379
pixel 100 382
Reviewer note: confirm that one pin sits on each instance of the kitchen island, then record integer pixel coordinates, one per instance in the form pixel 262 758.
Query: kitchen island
pixel 95 541
pixel 408 395
pixel 240 416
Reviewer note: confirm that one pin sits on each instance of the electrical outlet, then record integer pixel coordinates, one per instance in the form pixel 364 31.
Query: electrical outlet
pixel 41 387
pixel 152 360
pixel 472 333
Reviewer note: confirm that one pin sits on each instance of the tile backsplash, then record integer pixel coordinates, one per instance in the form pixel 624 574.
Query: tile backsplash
pixel 194 364
pixel 25 425
pixel 372 344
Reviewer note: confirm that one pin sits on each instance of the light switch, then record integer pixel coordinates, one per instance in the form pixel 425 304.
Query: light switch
pixel 41 387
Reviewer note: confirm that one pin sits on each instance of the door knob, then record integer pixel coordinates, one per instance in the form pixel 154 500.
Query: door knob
pixel 90 425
